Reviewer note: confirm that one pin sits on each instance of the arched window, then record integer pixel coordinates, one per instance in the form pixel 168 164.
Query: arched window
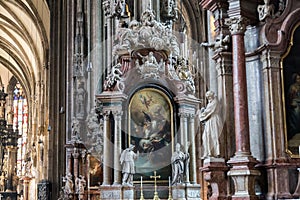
pixel 20 123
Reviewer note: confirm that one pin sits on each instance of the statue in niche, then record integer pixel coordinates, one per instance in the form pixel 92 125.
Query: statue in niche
pixel 294 107
pixel 127 162
pixel 266 10
pixel 80 100
pixel 213 126
pixel 69 185
pixel 179 162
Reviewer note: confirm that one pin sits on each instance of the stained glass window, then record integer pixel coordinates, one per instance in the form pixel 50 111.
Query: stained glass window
pixel 20 122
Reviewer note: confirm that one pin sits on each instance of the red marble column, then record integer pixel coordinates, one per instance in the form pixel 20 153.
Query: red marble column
pixel 242 139
pixel 242 171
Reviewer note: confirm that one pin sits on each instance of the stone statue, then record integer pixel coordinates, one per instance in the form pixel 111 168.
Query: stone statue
pixel 113 77
pixel 127 162
pixel 80 101
pixel 179 162
pixel 2 182
pixel 80 184
pixel 69 185
pixel 266 10
pixel 209 116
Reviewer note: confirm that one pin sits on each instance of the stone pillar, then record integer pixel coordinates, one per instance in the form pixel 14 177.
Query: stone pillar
pixel 277 168
pixel 76 155
pixel 12 158
pixel 242 171
pixel 223 62
pixel 107 12
pixel 192 138
pixel 184 139
pixel 26 181
pixel 117 147
pixel 214 171
pixel 106 153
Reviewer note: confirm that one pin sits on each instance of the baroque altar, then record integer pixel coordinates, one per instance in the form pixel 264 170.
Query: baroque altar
pixel 148 107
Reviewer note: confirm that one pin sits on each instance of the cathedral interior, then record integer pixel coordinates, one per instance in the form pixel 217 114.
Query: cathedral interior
pixel 149 99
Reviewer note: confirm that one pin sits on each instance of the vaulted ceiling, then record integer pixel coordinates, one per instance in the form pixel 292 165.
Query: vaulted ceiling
pixel 24 39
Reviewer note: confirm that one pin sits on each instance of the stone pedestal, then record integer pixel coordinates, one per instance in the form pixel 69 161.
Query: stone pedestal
pixel 186 192
pixel 117 192
pixel 128 193
pixel 243 175
pixel 214 170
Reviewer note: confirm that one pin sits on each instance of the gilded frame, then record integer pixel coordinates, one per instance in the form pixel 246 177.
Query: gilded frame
pixel 151 130
pixel 289 71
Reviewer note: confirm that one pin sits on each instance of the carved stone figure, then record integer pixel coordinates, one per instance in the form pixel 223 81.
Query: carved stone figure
pixel 209 116
pixel 2 182
pixel 266 10
pixel 184 74
pixel 95 133
pixel 169 10
pixel 113 77
pixel 150 66
pixel 127 162
pixel 179 162
pixel 221 43
pixel 80 101
pixel 69 185
pixel 80 184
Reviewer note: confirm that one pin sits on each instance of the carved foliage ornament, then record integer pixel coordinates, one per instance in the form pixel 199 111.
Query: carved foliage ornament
pixel 237 24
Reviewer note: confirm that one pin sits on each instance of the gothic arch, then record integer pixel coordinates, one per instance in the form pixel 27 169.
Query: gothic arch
pixel 24 46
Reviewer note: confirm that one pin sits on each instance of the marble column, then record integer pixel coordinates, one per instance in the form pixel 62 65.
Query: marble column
pixel 184 139
pixel 117 147
pixel 192 149
pixel 275 152
pixel 26 188
pixel 106 153
pixel 242 172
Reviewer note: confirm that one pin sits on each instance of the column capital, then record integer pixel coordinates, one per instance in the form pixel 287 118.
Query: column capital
pixel 117 113
pixel 237 25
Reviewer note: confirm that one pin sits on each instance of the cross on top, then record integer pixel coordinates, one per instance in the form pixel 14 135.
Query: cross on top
pixel 155 177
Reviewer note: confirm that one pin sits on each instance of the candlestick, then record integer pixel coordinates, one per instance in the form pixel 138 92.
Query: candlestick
pixel 170 192
pixel 142 195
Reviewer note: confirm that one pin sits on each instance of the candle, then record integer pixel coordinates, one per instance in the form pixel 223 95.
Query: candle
pixel 169 181
pixel 141 181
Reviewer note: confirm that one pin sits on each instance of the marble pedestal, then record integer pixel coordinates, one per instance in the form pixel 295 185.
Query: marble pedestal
pixel 214 170
pixel 111 192
pixel 186 191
